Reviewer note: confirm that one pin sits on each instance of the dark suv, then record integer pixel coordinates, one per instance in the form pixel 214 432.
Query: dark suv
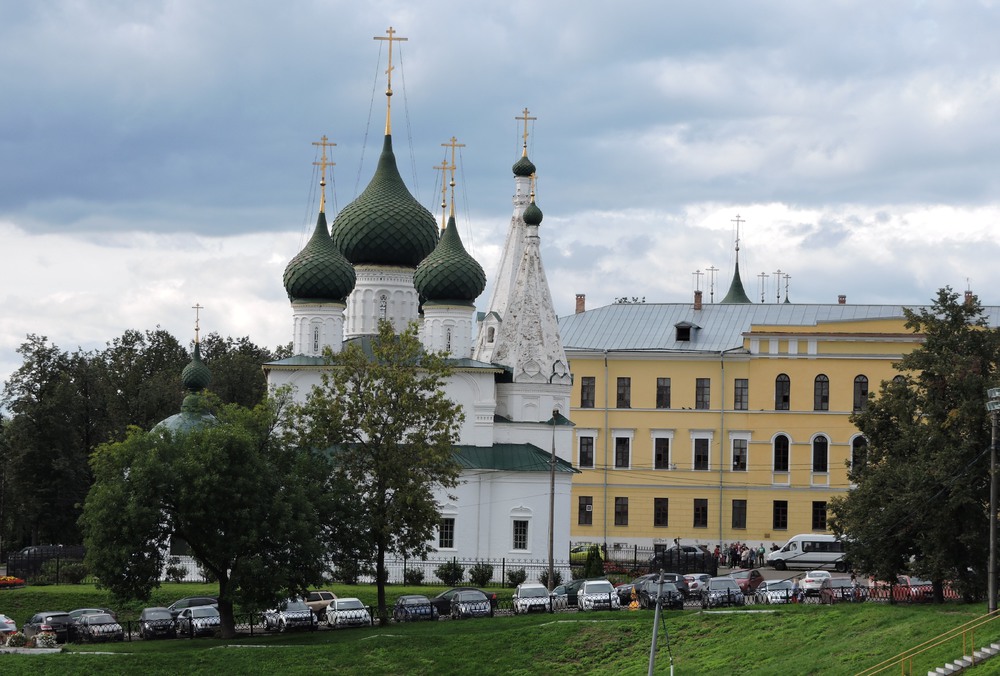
pixel 28 562
pixel 176 607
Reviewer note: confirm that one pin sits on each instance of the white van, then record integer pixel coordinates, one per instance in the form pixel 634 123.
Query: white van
pixel 810 550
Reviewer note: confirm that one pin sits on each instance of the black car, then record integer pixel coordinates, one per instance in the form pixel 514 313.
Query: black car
pixel 442 602
pixel 669 595
pixel 414 607
pixel 73 631
pixel 48 622
pixel 470 603
pixel 685 559
pixel 99 628
pixel 177 606
pixel 625 589
pixel 156 623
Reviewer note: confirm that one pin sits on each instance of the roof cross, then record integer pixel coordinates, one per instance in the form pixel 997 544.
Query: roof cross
pixel 388 71
pixel 197 307
pixel 323 164
pixel 524 116
pixel 453 143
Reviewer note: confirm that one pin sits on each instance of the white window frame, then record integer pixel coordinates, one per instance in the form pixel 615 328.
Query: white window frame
pixel 592 434
pixel 450 512
pixel 520 514
pixel 733 436
pixel 655 434
pixel 702 434
pixel 617 434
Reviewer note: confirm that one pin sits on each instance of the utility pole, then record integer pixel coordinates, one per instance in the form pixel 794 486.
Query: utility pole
pixel 552 505
pixel 993 406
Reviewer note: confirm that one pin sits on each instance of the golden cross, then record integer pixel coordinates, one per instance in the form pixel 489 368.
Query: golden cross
pixel 197 307
pixel 443 168
pixel 388 71
pixel 524 116
pixel 323 164
pixel 453 143
pixel 737 221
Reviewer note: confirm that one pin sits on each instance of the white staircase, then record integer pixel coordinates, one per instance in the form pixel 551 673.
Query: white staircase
pixel 963 663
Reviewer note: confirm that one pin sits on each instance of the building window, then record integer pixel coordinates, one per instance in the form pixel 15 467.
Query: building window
pixel 741 395
pixel 446 533
pixel 315 340
pixel 739 514
pixel 663 393
pixel 661 511
pixel 520 534
pixel 860 393
pixel 819 516
pixel 587 388
pixel 661 453
pixel 701 454
pixel 622 452
pixel 447 340
pixel 821 393
pixel 781 453
pixel 702 393
pixel 490 333
pixel 859 452
pixel 624 393
pixel 739 455
pixel 586 452
pixel 782 392
pixel 700 513
pixel 779 519
pixel 586 512
pixel 821 452
pixel 621 511
pixel 383 306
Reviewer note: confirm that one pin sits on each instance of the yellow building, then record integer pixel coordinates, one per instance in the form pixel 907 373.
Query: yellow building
pixel 715 423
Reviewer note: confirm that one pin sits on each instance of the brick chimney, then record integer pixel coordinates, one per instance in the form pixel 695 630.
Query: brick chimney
pixel 969 297
pixel 581 303
pixel 842 299
pixel 697 300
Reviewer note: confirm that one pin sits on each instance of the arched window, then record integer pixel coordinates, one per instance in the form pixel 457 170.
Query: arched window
pixel 859 452
pixel 490 333
pixel 781 453
pixel 821 454
pixel 383 306
pixel 782 392
pixel 860 393
pixel 447 339
pixel 316 339
pixel 821 393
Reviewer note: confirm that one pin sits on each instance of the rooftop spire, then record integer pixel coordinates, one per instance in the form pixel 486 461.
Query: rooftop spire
pixel 737 294
pixel 388 71
pixel 453 143
pixel 323 164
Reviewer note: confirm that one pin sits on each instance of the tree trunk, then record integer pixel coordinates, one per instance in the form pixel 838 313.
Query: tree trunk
pixel 228 624
pixel 383 613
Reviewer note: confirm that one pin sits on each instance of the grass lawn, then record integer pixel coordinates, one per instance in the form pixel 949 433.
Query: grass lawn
pixel 800 639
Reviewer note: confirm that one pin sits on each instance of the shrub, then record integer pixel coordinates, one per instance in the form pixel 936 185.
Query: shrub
pixel 73 573
pixel 16 640
pixel 481 574
pixel 174 571
pixel 413 577
pixel 46 640
pixel 516 577
pixel 594 567
pixel 450 573
pixel 556 578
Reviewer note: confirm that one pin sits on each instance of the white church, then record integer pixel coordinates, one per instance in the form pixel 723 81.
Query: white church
pixel 384 257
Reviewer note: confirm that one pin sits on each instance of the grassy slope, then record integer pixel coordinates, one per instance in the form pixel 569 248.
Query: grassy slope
pixel 794 640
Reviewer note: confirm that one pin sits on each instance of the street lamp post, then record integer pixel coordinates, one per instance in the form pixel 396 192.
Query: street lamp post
pixel 993 406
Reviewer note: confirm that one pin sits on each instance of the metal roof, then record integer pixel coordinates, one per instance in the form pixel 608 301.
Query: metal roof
pixel 715 327
pixel 509 458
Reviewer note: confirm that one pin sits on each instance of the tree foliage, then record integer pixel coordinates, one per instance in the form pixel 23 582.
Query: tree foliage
pixel 921 495
pixel 383 412
pixel 253 508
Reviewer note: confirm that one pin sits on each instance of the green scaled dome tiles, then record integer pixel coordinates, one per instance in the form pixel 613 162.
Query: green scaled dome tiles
pixel 450 273
pixel 385 225
pixel 524 167
pixel 319 272
pixel 532 215
pixel 196 376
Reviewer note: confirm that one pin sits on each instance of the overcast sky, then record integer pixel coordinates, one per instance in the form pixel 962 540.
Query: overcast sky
pixel 158 154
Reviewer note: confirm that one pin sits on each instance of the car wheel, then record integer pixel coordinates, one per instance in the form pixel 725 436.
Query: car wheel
pixel 780 565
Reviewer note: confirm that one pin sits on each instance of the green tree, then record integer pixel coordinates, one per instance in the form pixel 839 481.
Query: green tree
pixel 237 376
pixel 922 488
pixel 383 412
pixel 252 507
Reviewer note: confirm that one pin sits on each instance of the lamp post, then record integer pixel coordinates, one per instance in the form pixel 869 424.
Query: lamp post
pixel 993 406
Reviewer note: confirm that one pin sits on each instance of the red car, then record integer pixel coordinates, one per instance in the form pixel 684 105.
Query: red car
pixel 748 580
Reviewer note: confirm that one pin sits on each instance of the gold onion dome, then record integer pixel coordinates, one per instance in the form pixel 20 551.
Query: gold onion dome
pixel 449 273
pixel 385 225
pixel 319 272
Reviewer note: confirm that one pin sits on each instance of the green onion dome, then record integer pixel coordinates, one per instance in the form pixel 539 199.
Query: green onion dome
pixel 196 376
pixel 524 166
pixel 385 225
pixel 319 272
pixel 532 214
pixel 194 410
pixel 450 273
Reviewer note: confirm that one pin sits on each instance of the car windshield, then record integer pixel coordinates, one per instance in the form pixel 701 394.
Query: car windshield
pixel 414 600
pixel 350 604
pixel 817 573
pixel 158 615
pixel 103 618
pixel 533 592
pixel 916 581
pixel 778 585
pixel 601 587
pixel 740 574
pixel 470 596
pixel 722 585
pixel 204 612
pixel 296 605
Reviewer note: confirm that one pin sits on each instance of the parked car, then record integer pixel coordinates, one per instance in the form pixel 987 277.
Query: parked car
pixel 578 554
pixel 48 622
pixel 695 581
pixel 748 580
pixel 624 590
pixel 198 621
pixel 530 598
pixel 442 602
pixel 774 591
pixel 99 628
pixel 156 622
pixel 28 561
pixel 560 601
pixel 318 601
pixel 288 615
pixel 684 559
pixel 597 595
pixel 349 612
pixel 470 603
pixel 73 630
pixel 412 607
pixel 721 591
pixel 668 595
pixel 571 590
pixel 7 626
pixel 909 589
pixel 839 589
pixel 190 602
pixel 812 581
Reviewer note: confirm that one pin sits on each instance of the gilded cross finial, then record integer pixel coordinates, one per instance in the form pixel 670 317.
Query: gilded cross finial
pixel 737 221
pixel 388 71
pixel 443 168
pixel 323 143
pixel 524 116
pixel 453 143
pixel 197 307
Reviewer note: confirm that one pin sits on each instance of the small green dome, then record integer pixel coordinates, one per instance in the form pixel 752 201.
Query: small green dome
pixel 319 272
pixel 450 273
pixel 194 410
pixel 385 225
pixel 532 214
pixel 524 167
pixel 196 376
